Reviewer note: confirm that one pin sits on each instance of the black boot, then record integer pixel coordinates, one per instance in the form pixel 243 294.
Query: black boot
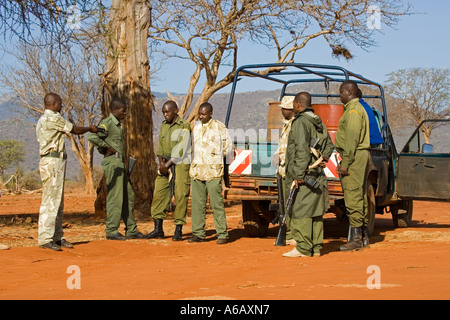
pixel 158 233
pixel 355 242
pixel 365 237
pixel 178 235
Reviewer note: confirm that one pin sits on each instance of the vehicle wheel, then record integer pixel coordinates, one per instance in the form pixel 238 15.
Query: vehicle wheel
pixel 254 222
pixel 371 208
pixel 402 216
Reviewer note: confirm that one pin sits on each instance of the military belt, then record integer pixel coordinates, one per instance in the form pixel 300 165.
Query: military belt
pixel 54 154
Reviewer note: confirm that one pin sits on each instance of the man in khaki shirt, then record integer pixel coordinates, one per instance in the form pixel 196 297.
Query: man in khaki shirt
pixel 211 143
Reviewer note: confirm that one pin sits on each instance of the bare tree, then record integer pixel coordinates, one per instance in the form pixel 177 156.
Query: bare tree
pixel 424 93
pixel 72 75
pixel 48 21
pixel 125 34
pixel 208 32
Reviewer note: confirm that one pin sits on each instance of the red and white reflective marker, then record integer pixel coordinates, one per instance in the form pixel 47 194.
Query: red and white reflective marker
pixel 242 163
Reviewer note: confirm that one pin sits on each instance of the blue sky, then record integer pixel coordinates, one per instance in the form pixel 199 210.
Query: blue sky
pixel 419 40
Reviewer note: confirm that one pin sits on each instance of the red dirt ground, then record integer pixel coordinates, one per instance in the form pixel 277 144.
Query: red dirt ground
pixel 413 262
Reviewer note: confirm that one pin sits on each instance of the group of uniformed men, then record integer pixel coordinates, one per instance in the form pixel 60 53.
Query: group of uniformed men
pixel 202 174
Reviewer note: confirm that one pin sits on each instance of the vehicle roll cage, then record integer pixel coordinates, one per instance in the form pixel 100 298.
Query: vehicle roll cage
pixel 310 73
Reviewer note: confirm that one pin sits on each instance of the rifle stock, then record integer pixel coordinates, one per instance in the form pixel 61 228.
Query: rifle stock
pixel 131 164
pixel 171 183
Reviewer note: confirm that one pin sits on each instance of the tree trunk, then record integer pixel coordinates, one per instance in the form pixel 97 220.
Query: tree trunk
pixel 426 133
pixel 89 175
pixel 206 94
pixel 127 77
pixel 85 159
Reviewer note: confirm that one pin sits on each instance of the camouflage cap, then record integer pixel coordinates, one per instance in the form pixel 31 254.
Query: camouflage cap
pixel 287 102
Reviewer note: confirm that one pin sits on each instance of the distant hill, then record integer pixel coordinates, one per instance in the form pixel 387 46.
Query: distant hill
pixel 7 110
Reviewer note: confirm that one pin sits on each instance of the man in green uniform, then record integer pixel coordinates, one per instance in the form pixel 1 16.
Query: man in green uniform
pixel 279 158
pixel 120 197
pixel 173 146
pixel 51 130
pixel 211 144
pixel 304 166
pixel 352 143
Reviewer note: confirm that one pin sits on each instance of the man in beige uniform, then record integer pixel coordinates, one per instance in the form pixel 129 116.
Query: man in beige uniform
pixel 51 130
pixel 211 144
pixel 279 158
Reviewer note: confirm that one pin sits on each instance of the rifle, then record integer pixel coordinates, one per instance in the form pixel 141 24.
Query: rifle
pixel 281 237
pixel 280 207
pixel 171 182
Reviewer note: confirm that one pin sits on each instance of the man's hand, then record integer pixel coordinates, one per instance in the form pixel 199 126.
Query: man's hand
pixel 93 129
pixel 342 171
pixel 299 182
pixel 163 169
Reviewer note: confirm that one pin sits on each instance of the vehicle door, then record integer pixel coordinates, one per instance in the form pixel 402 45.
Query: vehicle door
pixel 424 166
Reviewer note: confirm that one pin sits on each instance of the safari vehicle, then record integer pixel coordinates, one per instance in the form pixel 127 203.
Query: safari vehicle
pixel 394 180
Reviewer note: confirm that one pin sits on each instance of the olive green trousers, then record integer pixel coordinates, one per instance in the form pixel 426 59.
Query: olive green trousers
pixel 355 189
pixel 120 198
pixel 308 232
pixel 288 218
pixel 161 195
pixel 200 192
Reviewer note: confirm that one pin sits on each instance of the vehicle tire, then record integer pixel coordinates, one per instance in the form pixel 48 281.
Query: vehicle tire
pixel 402 216
pixel 371 208
pixel 254 222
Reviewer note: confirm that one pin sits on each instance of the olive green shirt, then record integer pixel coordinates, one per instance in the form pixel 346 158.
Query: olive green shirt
pixel 174 139
pixel 113 135
pixel 353 132
pixel 309 202
pixel 51 130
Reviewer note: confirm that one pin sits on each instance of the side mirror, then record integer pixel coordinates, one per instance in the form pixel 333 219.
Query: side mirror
pixel 427 148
